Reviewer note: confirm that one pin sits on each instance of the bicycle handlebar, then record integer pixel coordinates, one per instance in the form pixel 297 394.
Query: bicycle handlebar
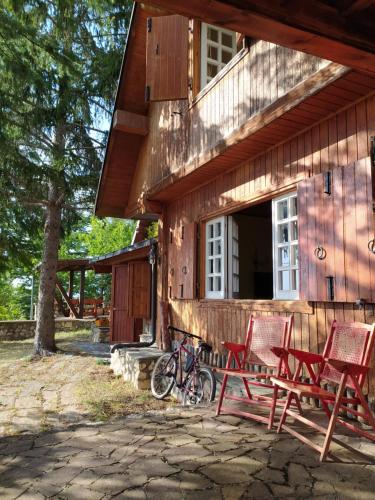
pixel 188 334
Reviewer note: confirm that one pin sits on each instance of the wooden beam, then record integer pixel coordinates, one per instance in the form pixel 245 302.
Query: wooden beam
pixel 130 123
pixel 71 280
pixel 314 27
pixel 66 298
pixel 81 293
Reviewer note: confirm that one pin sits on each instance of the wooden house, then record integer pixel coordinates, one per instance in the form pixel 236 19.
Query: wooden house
pixel 255 158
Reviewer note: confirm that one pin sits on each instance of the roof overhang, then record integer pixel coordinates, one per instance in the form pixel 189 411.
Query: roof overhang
pixel 137 251
pixel 338 30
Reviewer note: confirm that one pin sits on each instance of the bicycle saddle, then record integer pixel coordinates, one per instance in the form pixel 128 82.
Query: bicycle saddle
pixel 205 347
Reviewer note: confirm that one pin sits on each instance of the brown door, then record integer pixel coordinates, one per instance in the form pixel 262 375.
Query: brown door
pixel 140 289
pixel 122 324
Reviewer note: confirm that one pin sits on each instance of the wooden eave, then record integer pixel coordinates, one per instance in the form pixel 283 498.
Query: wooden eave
pixel 337 30
pixel 137 251
pixel 324 93
pixel 123 144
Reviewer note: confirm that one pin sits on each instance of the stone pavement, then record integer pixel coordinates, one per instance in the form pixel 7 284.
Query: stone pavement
pixel 182 453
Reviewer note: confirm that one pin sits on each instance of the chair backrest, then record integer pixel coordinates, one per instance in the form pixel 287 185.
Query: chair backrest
pixel 351 342
pixel 264 332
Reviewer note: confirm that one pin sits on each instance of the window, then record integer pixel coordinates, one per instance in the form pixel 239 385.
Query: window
pixel 218 47
pixel 253 254
pixel 285 251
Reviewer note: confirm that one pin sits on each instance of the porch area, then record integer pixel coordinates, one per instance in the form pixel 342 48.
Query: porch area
pixel 180 453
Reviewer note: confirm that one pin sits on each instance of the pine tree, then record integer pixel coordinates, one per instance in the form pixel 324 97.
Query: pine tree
pixel 59 61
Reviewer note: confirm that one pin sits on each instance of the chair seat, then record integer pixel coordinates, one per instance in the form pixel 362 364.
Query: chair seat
pixel 302 389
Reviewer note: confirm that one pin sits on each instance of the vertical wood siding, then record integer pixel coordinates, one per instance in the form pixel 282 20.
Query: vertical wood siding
pixel 340 140
pixel 179 135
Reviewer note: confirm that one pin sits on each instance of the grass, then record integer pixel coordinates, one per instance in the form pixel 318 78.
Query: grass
pixel 105 396
pixel 12 350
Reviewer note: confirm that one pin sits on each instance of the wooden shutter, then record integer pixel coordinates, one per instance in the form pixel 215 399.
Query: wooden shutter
pixel 337 227
pixel 182 262
pixel 140 289
pixel 167 58
pixel 122 326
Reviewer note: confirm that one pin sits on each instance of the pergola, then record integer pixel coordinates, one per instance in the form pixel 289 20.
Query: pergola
pixel 72 266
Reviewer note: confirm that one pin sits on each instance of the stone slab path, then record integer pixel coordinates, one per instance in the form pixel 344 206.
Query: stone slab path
pixel 179 454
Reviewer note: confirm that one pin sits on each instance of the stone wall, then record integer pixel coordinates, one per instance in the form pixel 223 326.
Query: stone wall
pixel 135 364
pixel 25 329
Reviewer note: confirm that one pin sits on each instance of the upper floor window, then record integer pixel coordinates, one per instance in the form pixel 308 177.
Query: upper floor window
pixel 218 47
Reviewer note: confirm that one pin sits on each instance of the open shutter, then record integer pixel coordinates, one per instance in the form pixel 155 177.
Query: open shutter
pixel 335 220
pixel 140 283
pixel 182 262
pixel 167 58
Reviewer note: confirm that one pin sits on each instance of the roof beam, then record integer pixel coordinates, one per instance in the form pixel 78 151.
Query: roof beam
pixel 130 123
pixel 314 27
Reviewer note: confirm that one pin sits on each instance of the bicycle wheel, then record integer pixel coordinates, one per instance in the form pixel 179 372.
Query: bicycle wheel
pixel 163 376
pixel 200 388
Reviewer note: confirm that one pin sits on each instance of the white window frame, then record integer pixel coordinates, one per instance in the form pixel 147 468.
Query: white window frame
pixel 205 59
pixel 289 294
pixel 216 294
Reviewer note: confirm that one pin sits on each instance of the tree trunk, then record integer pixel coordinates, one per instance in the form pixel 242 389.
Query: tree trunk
pixel 44 342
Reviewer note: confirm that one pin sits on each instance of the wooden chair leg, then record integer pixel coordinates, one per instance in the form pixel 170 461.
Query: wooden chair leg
pixel 370 418
pixel 221 397
pixel 283 415
pixel 248 392
pixel 273 407
pixel 333 419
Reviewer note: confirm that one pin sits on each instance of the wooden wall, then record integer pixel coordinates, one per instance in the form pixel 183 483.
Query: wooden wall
pixel 181 132
pixel 337 141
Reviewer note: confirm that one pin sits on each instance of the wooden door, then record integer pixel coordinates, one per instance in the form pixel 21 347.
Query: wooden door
pixel 140 289
pixel 167 58
pixel 122 324
pixel 335 220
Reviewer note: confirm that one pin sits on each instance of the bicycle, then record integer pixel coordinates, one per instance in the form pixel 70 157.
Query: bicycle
pixel 197 383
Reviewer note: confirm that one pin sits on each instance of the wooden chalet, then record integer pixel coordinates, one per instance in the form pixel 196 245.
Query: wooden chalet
pixel 247 133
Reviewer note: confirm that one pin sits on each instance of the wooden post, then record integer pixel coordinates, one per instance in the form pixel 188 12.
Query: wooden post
pixel 81 293
pixel 71 281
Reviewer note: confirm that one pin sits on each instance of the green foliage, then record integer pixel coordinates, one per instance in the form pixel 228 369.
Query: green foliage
pixel 14 300
pixel 59 62
pixel 152 230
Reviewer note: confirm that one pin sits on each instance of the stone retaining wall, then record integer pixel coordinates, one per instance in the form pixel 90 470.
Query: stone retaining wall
pixel 135 364
pixel 25 329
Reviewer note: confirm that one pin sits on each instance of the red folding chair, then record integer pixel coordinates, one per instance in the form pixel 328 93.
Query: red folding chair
pixel 345 363
pixel 266 344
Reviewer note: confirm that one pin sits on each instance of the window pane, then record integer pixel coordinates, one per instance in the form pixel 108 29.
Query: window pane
pixel 294 230
pixel 212 70
pixel 212 34
pixel 211 231
pixel 293 206
pixel 218 266
pixel 210 284
pixel 227 39
pixel 283 236
pixel 294 255
pixel 211 266
pixel 217 229
pixel 284 280
pixel 226 56
pixel 282 210
pixel 211 248
pixel 284 256
pixel 217 284
pixel 212 52
pixel 217 247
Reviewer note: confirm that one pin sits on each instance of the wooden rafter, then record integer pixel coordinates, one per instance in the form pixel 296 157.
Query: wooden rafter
pixel 66 298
